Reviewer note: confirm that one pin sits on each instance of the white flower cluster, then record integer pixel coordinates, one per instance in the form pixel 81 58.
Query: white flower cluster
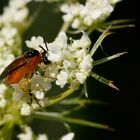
pixel 84 15
pixel 15 12
pixel 28 135
pixel 71 63
pixel 68 136
pixel 72 60
pixel 14 15
pixel 38 86
pixel 7 40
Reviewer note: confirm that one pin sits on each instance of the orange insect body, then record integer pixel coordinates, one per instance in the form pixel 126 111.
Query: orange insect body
pixel 24 65
pixel 15 76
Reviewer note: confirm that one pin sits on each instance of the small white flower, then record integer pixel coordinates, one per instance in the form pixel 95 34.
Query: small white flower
pixel 1 42
pixel 52 71
pixel 75 84
pixel 56 48
pixel 88 20
pixel 68 136
pixel 35 105
pixel 42 137
pixel 84 42
pixel 69 64
pixel 5 60
pixel 68 18
pixel 80 54
pixel 39 83
pixel 8 32
pixel 43 102
pixel 86 64
pixel 25 109
pixel 18 92
pixel 62 78
pixel 35 42
pixel 18 4
pixel 28 135
pixel 55 57
pixel 61 41
pixel 81 77
pixel 7 36
pixel 74 9
pixel 76 23
pixel 3 88
pixel 16 11
pixel 39 94
pixel 3 102
pixel 20 15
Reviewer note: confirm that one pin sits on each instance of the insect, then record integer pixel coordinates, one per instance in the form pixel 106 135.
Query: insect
pixel 24 65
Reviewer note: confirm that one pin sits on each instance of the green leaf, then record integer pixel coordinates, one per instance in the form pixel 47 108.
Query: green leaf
pixel 78 101
pixel 116 27
pixel 103 60
pixel 99 41
pixel 116 24
pixel 58 117
pixel 104 80
pixel 119 21
pixel 86 123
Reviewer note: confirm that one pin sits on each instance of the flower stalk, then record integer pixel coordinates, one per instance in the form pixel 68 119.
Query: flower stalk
pixel 61 96
pixel 99 41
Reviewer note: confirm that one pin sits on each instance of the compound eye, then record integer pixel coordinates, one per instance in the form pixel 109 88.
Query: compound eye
pixel 31 53
pixel 45 60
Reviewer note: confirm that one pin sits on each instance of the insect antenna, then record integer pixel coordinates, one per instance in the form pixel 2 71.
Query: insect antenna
pixel 45 52
pixel 42 48
pixel 45 43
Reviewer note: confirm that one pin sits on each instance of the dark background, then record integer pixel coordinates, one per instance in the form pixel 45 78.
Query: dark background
pixel 123 109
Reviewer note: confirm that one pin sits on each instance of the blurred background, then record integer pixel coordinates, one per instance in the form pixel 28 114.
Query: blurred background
pixel 122 110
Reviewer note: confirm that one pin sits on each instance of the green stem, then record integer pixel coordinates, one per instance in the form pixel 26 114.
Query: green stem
pixel 58 98
pixel 104 80
pixel 99 41
pixel 65 26
pixel 115 27
pixel 86 123
pixel 81 102
pixel 68 112
pixel 106 59
pixel 119 21
pixel 94 26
